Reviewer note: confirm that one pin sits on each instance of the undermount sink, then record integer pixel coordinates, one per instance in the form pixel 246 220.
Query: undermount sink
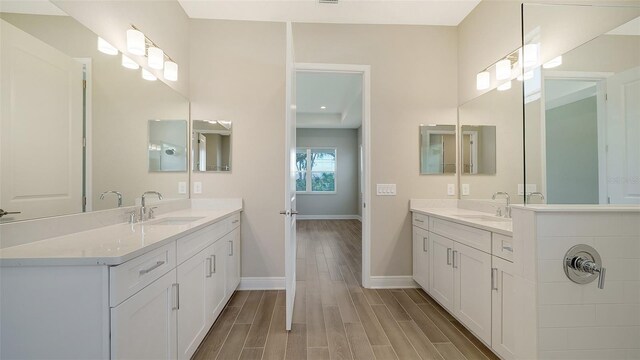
pixel 484 218
pixel 175 221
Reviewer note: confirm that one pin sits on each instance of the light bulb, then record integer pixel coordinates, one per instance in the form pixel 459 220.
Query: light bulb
pixel 148 75
pixel 170 71
pixel 557 61
pixel 505 86
pixel 128 63
pixel 105 47
pixel 503 69
pixel 135 42
pixel 156 57
pixel 483 80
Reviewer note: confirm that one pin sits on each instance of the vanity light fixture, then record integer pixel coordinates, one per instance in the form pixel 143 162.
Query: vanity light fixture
pixel 128 63
pixel 555 62
pixel 155 58
pixel 483 80
pixel 105 47
pixel 170 70
pixel 147 75
pixel 503 69
pixel 505 86
pixel 136 42
pixel 530 56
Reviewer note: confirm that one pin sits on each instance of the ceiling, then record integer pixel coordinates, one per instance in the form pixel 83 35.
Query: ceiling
pixel 630 28
pixel 35 7
pixel 406 12
pixel 340 94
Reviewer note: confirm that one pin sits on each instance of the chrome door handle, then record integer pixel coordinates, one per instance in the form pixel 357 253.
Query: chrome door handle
pixel 153 267
pixel 454 259
pixel 448 256
pixel 508 248
pixel 214 263
pixel 3 213
pixel 230 248
pixel 494 278
pixel 209 266
pixel 288 212
pixel 424 244
pixel 176 290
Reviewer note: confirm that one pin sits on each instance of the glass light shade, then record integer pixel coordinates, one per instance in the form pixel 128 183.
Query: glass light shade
pixel 557 61
pixel 148 75
pixel 483 80
pixel 530 55
pixel 170 71
pixel 105 47
pixel 135 42
pixel 503 69
pixel 128 63
pixel 156 58
pixel 505 86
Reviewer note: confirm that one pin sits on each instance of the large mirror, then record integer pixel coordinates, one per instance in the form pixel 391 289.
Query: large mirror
pixel 66 147
pixel 211 141
pixel 478 148
pixel 167 145
pixel 437 149
pixel 582 107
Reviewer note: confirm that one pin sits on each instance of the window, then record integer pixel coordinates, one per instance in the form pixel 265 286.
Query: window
pixel 316 170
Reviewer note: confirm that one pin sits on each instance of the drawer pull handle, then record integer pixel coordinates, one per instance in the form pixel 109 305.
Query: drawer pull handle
pixel 157 265
pixel 508 248
pixel 209 267
pixel 418 220
pixel 235 221
pixel 230 248
pixel 454 259
pixel 424 243
pixel 214 263
pixel 494 278
pixel 448 256
pixel 176 286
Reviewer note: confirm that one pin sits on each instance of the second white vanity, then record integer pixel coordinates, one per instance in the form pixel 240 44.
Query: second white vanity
pixel 462 258
pixel 125 291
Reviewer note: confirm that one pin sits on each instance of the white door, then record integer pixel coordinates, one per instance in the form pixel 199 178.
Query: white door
pixel 218 253
pixel 472 299
pixel 290 181
pixel 503 309
pixel 40 127
pixel 623 137
pixel 441 271
pixel 144 326
pixel 193 316
pixel 233 261
pixel 421 257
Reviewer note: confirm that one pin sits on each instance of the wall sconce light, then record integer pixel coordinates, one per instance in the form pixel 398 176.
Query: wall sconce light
pixel 170 71
pixel 136 42
pixel 155 57
pixel 483 80
pixel 148 75
pixel 128 63
pixel 555 62
pixel 503 69
pixel 530 55
pixel 105 47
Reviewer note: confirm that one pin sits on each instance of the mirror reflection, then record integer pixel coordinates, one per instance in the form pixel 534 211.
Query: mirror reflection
pixel 167 145
pixel 478 149
pixel 437 149
pixel 211 145
pixel 583 123
pixel 76 117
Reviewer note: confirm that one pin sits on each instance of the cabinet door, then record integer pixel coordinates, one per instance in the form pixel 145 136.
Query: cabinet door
pixel 216 288
pixel 441 270
pixel 472 303
pixel 144 326
pixel 194 319
pixel 503 309
pixel 233 261
pixel 421 257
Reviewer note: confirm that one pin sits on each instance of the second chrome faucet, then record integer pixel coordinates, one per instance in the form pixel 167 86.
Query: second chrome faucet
pixel 143 208
pixel 507 208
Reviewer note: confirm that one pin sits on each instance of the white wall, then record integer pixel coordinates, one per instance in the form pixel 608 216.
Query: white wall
pixel 345 200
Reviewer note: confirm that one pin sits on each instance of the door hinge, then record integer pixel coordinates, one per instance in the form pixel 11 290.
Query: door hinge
pixel 84 84
pixel 84 201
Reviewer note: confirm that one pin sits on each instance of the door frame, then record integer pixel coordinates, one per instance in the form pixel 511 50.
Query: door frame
pixel 88 131
pixel 365 71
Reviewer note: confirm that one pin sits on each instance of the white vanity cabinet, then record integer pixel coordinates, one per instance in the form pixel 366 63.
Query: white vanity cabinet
pixel 421 257
pixel 441 271
pixel 503 308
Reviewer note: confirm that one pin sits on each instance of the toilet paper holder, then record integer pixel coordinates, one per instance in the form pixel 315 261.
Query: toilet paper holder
pixel 582 265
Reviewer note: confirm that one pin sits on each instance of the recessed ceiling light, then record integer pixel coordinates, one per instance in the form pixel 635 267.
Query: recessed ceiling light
pixel 323 107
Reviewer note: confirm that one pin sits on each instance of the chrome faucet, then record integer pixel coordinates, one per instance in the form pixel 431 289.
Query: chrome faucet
pixel 535 193
pixel 507 208
pixel 143 208
pixel 118 194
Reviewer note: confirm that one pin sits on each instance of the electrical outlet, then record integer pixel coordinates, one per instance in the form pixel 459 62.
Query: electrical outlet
pixel 182 187
pixel 451 189
pixel 197 187
pixel 386 189
pixel 465 189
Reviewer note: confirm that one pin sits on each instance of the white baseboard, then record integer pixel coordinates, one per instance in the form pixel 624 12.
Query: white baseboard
pixel 261 283
pixel 392 282
pixel 329 217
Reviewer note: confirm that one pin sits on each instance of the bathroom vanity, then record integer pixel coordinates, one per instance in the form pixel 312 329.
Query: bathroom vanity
pixel 142 290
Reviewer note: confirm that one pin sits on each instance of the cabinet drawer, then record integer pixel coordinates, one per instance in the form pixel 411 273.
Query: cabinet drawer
pixel 129 278
pixel 502 246
pixel 192 244
pixel 470 236
pixel 420 220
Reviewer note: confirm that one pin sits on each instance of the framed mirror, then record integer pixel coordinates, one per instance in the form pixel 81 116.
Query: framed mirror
pixel 167 145
pixel 437 149
pixel 478 148
pixel 211 146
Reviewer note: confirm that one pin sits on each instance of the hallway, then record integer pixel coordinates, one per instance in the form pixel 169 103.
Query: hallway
pixel 335 317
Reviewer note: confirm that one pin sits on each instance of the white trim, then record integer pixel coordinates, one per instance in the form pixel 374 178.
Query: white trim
pixel 88 124
pixel 261 283
pixel 329 217
pixel 392 282
pixel 365 70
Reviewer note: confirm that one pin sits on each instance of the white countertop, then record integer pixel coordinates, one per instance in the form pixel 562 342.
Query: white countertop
pixel 109 245
pixel 579 208
pixel 454 214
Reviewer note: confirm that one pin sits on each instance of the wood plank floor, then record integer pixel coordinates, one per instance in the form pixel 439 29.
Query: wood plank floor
pixel 334 316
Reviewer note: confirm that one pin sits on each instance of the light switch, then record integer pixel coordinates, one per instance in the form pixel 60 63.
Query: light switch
pixel 451 189
pixel 182 187
pixel 386 189
pixel 465 189
pixel 197 187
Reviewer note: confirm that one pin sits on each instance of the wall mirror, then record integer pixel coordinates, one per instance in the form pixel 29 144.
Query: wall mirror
pixel 167 145
pixel 47 114
pixel 211 141
pixel 478 149
pixel 437 149
pixel 582 126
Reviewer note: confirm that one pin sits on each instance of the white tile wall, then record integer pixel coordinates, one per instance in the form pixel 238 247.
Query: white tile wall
pixel 581 321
